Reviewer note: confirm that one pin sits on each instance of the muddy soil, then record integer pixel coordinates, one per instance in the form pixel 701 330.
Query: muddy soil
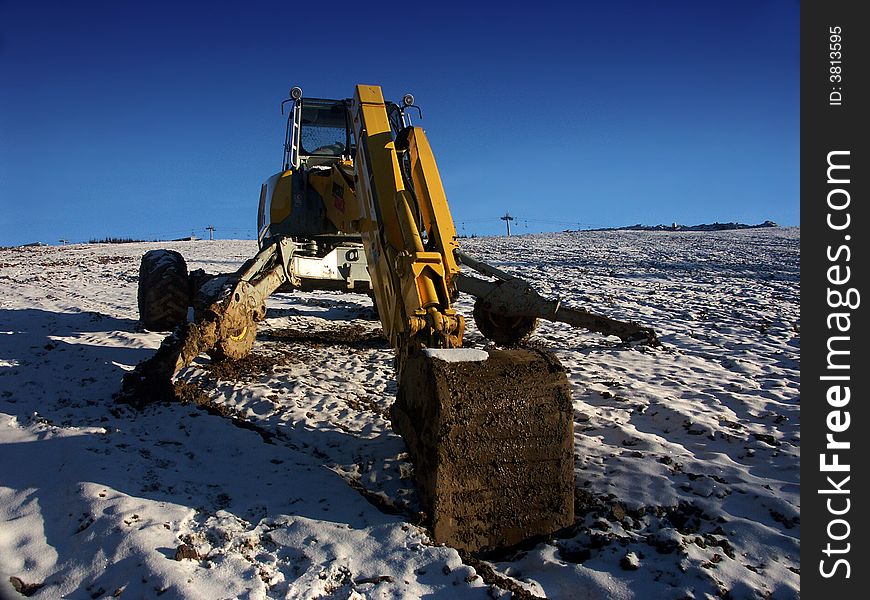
pixel 244 369
pixel 355 336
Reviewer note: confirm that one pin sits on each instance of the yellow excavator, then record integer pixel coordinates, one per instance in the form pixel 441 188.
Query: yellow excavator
pixel 359 206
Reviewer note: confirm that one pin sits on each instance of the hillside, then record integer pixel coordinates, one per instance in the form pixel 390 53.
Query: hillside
pixel 287 480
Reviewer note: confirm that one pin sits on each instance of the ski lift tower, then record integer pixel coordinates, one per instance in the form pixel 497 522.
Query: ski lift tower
pixel 507 218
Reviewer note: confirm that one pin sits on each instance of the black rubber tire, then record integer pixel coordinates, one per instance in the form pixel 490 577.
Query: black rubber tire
pixel 164 290
pixel 501 329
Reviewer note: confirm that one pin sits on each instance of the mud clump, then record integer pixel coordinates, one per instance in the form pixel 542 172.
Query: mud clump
pixel 492 443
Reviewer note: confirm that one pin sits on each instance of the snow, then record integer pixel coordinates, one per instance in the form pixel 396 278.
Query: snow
pixel 457 354
pixel 291 483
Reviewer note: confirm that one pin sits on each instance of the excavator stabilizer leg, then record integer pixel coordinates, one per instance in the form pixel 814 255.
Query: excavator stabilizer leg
pixel 226 309
pixel 151 380
pixel 492 443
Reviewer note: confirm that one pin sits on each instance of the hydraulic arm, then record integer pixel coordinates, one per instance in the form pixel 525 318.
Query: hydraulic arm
pixel 413 283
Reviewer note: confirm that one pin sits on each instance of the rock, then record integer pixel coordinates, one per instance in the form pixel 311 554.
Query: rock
pixel 25 589
pixel 630 562
pixel 185 551
pixel 618 512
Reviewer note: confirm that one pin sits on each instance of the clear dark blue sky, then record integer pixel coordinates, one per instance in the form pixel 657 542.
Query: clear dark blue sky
pixel 152 119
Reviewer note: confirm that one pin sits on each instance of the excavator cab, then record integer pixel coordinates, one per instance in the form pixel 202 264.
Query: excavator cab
pixel 324 130
pixel 318 131
pixel 318 136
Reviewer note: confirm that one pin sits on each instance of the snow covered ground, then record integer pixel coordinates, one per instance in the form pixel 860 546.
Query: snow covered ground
pixel 292 484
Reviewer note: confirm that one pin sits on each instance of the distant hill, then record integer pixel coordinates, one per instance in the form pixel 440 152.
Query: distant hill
pixel 677 227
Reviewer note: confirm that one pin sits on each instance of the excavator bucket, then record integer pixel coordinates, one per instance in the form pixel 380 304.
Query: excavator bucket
pixel 491 438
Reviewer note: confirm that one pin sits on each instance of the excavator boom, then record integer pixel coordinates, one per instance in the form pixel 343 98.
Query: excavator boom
pixel 412 284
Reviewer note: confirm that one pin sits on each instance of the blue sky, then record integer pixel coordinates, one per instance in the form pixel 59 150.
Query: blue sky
pixel 152 120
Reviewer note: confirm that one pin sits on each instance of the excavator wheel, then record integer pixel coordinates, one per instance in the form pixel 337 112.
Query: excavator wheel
pixel 492 443
pixel 501 329
pixel 164 290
